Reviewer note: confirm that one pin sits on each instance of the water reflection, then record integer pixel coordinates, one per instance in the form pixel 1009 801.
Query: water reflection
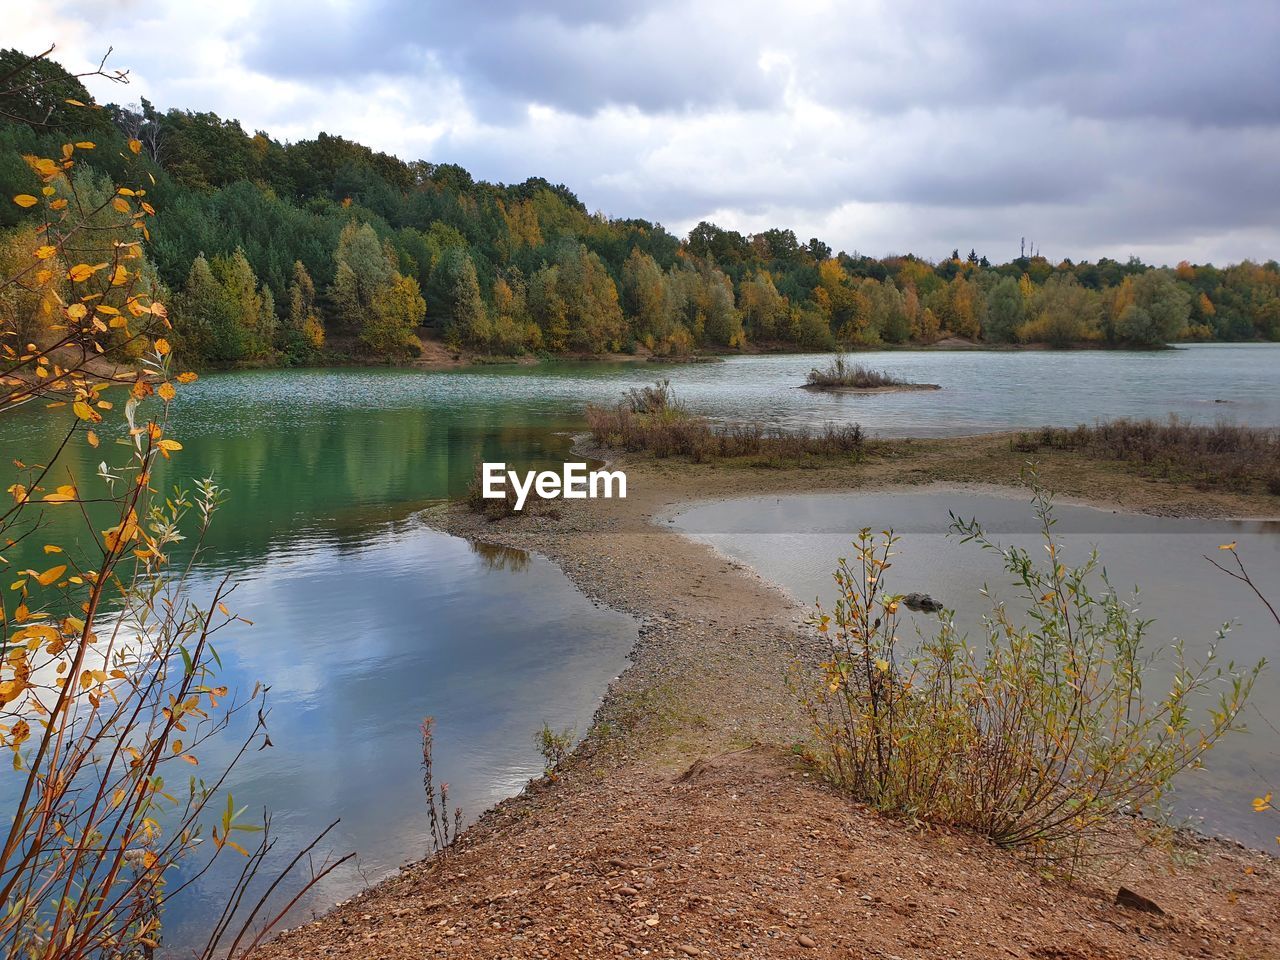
pixel 364 620
pixel 497 557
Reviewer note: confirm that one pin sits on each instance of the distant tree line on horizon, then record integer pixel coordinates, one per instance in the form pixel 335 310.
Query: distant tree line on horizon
pixel 271 253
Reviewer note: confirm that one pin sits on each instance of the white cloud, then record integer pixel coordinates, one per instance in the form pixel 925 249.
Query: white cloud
pixel 1095 128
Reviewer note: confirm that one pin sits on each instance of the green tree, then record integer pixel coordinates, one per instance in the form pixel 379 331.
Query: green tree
pixel 644 297
pixel 468 315
pixel 363 269
pixel 204 319
pixel 1158 312
pixel 252 306
pixel 548 308
pixel 1006 311
pixel 888 311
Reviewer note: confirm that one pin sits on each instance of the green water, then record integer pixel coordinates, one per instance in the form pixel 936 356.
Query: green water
pixel 365 620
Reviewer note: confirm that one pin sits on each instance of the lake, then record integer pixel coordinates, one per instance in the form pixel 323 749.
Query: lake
pixel 796 542
pixel 365 620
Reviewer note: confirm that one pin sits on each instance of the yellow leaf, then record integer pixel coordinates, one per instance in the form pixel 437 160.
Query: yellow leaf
pixel 162 346
pixel 86 412
pixel 85 145
pixel 167 393
pixel 64 494
pixel 50 575
pixel 1262 803
pixel 135 146
pixel 74 103
pixel 187 377
pixel 77 311
pixel 25 200
pixel 50 548
pixel 80 272
pixel 121 205
pixel 1228 546
pixel 45 252
pixel 170 444
pixel 92 438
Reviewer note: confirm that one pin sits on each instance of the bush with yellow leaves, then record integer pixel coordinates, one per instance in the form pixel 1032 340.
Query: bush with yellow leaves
pixel 107 675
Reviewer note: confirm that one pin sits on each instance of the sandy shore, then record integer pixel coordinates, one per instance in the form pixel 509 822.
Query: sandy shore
pixel 683 827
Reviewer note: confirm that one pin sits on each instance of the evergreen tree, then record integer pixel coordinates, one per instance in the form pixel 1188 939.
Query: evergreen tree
pixel 204 319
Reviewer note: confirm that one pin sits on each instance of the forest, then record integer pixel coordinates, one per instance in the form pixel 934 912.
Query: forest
pixel 270 253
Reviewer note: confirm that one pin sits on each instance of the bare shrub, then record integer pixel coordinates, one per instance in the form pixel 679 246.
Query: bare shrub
pixel 444 832
pixel 655 399
pixel 840 372
pixel 664 428
pixel 1236 457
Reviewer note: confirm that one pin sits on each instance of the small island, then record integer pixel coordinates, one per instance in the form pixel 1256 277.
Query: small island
pixel 841 376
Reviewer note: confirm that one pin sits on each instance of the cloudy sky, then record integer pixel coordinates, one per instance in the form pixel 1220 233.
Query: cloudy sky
pixel 1092 128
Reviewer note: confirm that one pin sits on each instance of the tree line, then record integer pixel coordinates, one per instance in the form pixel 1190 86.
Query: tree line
pixel 279 253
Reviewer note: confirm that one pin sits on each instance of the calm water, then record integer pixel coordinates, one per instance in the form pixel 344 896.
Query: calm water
pixel 796 541
pixel 366 620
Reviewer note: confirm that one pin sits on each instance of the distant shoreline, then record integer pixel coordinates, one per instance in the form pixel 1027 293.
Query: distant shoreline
pixel 437 356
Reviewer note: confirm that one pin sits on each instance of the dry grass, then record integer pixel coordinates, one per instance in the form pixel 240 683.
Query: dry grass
pixel 841 373
pixel 652 421
pixel 1245 459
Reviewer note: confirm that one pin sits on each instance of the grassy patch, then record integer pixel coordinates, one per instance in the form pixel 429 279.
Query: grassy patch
pixel 1244 459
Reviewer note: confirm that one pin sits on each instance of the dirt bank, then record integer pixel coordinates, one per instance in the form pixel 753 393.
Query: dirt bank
pixel 683 827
